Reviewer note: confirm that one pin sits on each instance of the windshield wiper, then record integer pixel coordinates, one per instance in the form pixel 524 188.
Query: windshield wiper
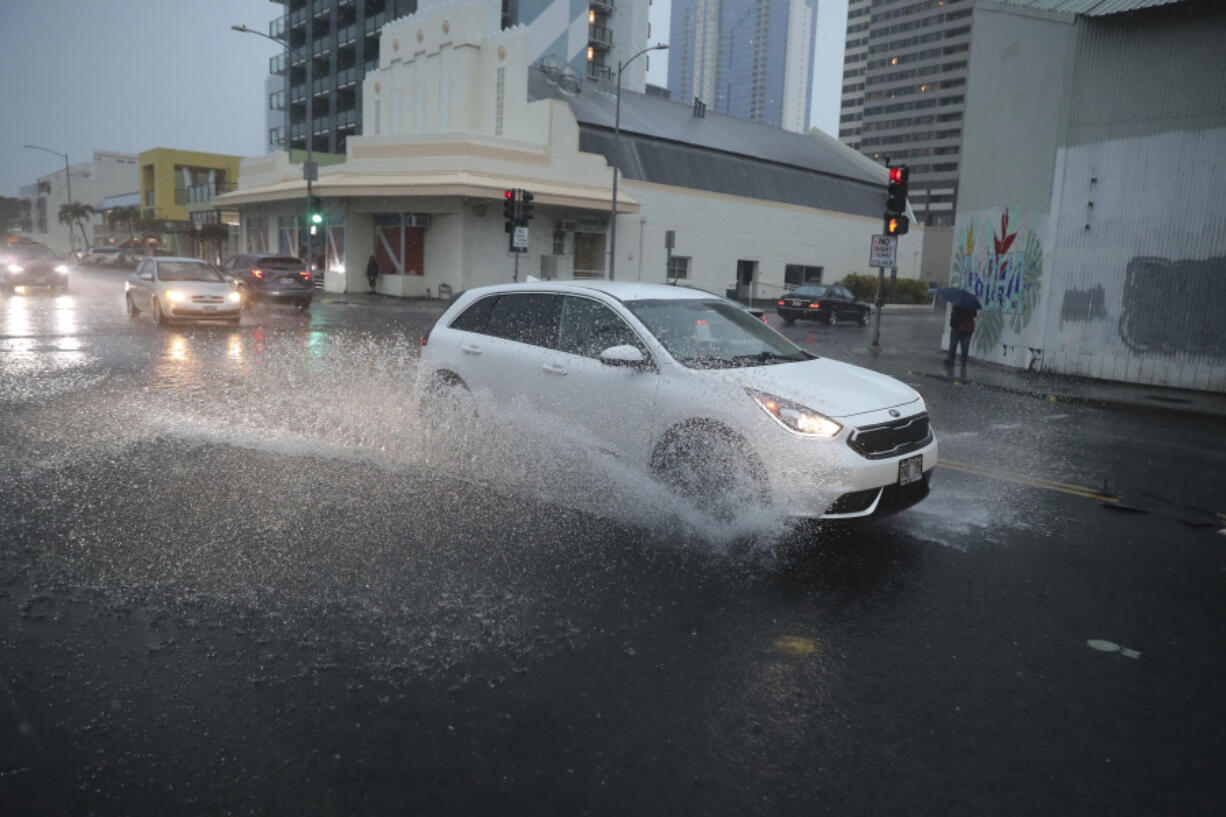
pixel 767 357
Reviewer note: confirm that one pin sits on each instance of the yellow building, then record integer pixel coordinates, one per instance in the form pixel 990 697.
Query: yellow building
pixel 171 179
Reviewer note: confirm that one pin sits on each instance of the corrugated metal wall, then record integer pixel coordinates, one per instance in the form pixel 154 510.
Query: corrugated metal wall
pixel 1137 277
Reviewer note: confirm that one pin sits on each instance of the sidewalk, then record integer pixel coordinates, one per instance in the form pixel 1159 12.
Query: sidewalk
pixel 1057 388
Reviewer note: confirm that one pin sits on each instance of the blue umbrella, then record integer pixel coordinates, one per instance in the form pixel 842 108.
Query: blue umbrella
pixel 960 298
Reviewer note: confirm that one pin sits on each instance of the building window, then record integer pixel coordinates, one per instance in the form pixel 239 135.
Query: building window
pixel 678 268
pixel 796 275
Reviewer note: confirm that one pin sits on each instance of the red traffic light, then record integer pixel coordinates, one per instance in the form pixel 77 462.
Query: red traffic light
pixel 508 194
pixel 898 175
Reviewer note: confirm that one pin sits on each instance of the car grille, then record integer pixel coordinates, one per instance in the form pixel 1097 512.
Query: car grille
pixel 208 299
pixel 891 439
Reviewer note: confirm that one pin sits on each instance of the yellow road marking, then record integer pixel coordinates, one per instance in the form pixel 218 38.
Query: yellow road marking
pixel 795 645
pixel 1033 482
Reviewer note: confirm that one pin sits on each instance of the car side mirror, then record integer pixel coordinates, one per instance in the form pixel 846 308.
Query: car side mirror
pixel 623 355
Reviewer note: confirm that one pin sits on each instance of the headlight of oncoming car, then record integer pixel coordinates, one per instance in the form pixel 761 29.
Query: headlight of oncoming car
pixel 794 417
pixel 61 269
pixel 15 268
pixel 174 295
pixel 234 297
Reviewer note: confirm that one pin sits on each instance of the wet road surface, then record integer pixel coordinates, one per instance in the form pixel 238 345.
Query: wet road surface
pixel 234 580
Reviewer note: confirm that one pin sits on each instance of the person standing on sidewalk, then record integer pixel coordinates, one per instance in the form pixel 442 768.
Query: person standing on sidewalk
pixel 372 273
pixel 961 327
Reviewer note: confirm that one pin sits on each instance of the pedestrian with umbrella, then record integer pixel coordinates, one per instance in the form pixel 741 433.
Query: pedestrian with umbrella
pixel 961 321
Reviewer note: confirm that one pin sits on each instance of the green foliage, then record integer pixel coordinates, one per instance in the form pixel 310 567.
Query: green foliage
pixel 904 290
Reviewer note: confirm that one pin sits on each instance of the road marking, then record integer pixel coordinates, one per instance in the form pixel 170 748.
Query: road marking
pixel 1033 482
pixel 1004 426
pixel 1110 646
pixel 1056 417
pixel 795 645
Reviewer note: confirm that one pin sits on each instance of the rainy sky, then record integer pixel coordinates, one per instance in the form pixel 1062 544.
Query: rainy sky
pixel 130 75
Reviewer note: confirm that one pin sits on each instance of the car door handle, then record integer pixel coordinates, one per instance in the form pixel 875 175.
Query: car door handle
pixel 553 368
pixel 468 348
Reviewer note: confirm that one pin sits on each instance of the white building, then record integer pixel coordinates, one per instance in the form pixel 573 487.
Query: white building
pixel 108 174
pixel 1088 219
pixel 454 117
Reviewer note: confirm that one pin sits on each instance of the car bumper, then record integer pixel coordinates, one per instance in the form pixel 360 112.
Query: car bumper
pixel 282 294
pixel 193 311
pixel 827 479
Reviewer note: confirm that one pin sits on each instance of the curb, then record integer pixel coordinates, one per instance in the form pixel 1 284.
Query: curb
pixel 1104 403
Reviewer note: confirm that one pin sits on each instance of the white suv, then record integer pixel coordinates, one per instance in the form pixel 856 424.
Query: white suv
pixel 690 387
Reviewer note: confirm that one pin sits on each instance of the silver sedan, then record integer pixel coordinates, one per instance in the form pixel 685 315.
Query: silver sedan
pixel 171 288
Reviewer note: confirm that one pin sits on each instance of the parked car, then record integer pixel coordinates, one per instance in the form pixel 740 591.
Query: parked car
pixel 31 265
pixel 102 256
pixel 271 278
pixel 689 386
pixel 170 288
pixel 831 304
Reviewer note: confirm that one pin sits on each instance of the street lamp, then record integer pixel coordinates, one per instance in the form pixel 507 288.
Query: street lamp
pixel 617 140
pixel 72 243
pixel 308 169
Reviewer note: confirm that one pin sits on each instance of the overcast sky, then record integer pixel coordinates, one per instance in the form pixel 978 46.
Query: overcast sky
pixel 130 75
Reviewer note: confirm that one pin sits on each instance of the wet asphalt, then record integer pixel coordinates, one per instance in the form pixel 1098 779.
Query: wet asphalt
pixel 233 580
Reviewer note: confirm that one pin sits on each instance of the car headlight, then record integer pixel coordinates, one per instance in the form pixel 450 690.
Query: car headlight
pixel 234 297
pixel 62 269
pixel 796 418
pixel 15 268
pixel 174 295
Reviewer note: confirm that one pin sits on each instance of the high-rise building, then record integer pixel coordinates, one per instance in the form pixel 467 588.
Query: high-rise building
pixel 752 59
pixel 904 92
pixel 331 44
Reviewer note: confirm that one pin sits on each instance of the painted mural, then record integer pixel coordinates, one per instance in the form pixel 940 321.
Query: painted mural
pixel 1000 260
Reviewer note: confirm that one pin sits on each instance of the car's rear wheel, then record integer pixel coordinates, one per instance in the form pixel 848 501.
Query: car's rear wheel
pixel 788 320
pixel 712 467
pixel 833 318
pixel 303 305
pixel 133 309
pixel 162 318
pixel 864 318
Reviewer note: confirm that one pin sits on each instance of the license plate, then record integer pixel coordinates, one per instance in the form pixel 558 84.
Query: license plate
pixel 209 308
pixel 911 469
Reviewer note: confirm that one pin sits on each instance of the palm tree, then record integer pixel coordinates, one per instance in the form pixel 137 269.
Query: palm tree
pixel 76 213
pixel 128 217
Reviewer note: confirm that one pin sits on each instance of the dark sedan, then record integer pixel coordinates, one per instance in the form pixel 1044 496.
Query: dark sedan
pixel 280 278
pixel 26 265
pixel 831 304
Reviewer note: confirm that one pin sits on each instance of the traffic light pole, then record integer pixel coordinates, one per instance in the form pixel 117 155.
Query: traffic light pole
pixel 879 301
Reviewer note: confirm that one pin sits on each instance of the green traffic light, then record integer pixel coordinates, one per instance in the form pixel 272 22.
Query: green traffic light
pixel 317 218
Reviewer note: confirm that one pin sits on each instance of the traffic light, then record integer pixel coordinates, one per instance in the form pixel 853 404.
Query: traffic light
pixel 525 210
pixel 896 221
pixel 508 208
pixel 315 211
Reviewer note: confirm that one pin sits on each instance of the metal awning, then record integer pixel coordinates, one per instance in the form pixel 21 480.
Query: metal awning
pixel 1089 8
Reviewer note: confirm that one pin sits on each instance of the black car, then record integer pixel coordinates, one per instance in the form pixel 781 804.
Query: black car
pixel 831 304
pixel 25 265
pixel 273 278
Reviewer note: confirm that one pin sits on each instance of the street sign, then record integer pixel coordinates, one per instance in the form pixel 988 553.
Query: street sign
pixel 310 171
pixel 884 251
pixel 520 240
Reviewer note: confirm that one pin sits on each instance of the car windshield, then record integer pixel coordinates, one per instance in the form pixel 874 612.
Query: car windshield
pixel 32 252
pixel 711 334
pixel 187 271
pixel 811 292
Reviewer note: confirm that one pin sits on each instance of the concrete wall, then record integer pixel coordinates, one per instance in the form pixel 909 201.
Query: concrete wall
pixel 106 175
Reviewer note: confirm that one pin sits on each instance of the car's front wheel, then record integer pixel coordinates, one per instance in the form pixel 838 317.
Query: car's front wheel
pixel 833 318
pixel 712 467
pixel 162 318
pixel 864 317
pixel 133 309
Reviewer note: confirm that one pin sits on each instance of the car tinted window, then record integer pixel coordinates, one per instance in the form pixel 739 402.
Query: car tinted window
pixel 186 271
pixel 844 293
pixel 474 318
pixel 587 327
pixel 812 292
pixel 280 262
pixel 529 317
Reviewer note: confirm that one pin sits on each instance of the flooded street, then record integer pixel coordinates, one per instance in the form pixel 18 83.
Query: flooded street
pixel 239 574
